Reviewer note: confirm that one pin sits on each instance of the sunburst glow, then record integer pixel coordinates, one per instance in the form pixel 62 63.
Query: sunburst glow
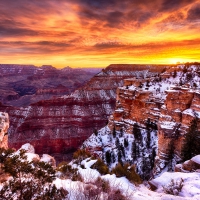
pixel 92 33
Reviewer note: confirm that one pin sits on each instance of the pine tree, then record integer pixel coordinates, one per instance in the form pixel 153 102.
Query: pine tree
pixel 117 143
pixel 122 150
pixel 125 142
pixel 148 138
pixel 121 133
pixel 30 180
pixel 108 157
pixel 137 132
pixel 114 132
pixel 147 83
pixel 119 156
pixel 95 132
pixel 113 158
pixel 133 150
pixel 174 74
pixel 191 143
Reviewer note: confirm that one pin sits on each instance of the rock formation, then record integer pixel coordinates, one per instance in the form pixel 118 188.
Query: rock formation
pixel 60 125
pixel 21 85
pixel 157 113
pixel 4 125
pixel 192 165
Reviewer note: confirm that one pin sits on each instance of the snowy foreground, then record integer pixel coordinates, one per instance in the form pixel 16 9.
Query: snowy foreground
pixel 190 182
pixel 190 190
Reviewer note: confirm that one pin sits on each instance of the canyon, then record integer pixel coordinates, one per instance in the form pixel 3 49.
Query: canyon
pixel 150 121
pixel 58 126
pixel 21 85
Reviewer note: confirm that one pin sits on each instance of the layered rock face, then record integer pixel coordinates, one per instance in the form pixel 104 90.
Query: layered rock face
pixel 154 114
pixel 60 125
pixel 4 125
pixel 21 85
pixel 171 107
pixel 179 109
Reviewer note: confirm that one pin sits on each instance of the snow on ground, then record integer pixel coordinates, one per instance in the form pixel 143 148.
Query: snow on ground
pixel 191 183
pixel 190 190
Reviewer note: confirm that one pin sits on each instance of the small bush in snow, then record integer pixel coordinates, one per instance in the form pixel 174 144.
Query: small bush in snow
pixel 80 155
pixel 100 189
pixel 127 171
pixel 173 187
pixel 101 167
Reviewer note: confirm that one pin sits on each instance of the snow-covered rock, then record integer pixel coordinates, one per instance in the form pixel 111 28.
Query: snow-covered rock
pixel 28 148
pixel 190 183
pixel 48 159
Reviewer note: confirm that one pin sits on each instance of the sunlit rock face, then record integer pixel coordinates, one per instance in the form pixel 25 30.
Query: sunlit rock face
pixel 163 108
pixel 60 125
pixel 180 108
pixel 4 125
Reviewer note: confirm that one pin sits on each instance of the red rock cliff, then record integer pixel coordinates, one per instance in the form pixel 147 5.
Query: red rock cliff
pixel 60 125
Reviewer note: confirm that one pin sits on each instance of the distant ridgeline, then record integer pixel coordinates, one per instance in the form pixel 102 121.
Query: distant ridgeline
pixel 21 85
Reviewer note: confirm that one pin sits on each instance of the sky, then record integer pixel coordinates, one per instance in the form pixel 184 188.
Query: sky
pixel 96 33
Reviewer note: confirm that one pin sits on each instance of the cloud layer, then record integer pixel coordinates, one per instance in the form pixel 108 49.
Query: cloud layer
pixel 97 33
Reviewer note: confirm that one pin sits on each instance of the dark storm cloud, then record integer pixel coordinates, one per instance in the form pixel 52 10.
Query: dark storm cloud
pixel 116 14
pixel 194 13
pixel 6 32
pixel 168 5
pixel 98 4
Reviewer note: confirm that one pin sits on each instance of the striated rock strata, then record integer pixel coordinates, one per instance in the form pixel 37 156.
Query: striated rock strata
pixel 60 125
pixel 21 85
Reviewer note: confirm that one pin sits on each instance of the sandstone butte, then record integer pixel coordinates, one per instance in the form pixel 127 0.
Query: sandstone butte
pixel 60 125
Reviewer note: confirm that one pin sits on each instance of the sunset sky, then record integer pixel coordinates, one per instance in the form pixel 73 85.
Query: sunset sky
pixel 96 33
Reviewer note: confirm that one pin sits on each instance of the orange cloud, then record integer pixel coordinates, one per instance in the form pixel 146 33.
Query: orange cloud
pixel 82 33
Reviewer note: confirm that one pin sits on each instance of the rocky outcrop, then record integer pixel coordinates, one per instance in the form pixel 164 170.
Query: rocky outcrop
pixel 60 125
pixel 4 125
pixel 191 165
pixel 21 85
pixel 173 112
pixel 31 156
pixel 157 113
pixel 179 109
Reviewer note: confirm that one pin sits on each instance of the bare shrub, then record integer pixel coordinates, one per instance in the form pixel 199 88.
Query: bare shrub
pixel 173 187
